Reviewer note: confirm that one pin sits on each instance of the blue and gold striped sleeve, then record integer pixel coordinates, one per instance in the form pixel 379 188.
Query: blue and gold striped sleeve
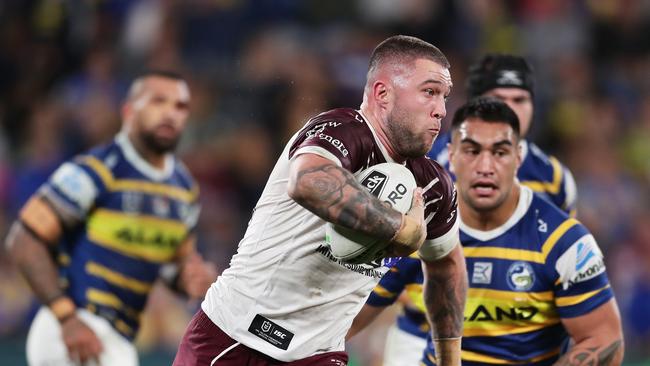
pixel 73 189
pixel 394 282
pixel 578 269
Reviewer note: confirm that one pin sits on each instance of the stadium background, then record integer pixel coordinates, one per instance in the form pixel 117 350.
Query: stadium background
pixel 259 68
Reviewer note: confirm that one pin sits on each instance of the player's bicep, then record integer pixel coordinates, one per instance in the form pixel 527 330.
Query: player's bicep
pixel 39 217
pixel 313 176
pixel 601 324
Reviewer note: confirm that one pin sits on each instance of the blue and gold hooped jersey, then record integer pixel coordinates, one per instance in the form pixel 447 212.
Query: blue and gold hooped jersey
pixel 542 173
pixel 405 276
pixel 130 222
pixel 524 277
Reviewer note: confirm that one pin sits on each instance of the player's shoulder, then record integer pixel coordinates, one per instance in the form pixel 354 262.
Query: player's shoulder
pixel 429 172
pixel 546 210
pixel 339 119
pixel 539 161
pixel 557 229
pixel 100 160
pixel 185 178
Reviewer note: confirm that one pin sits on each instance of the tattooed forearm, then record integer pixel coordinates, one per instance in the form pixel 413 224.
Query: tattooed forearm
pixel 593 356
pixel 335 195
pixel 445 290
pixel 35 263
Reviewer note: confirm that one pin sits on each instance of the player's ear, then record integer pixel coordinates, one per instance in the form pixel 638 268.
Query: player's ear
pixel 520 153
pixel 381 93
pixel 126 110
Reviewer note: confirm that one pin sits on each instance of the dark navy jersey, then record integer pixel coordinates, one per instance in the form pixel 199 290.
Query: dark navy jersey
pixel 130 220
pixel 524 277
pixel 404 277
pixel 542 173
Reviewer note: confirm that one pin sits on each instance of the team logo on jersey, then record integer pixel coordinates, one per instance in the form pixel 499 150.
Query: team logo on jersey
pixel 482 273
pixel 521 276
pixel 375 182
pixel 160 206
pixel 132 202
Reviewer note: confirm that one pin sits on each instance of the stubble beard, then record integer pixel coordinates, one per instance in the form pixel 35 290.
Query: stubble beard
pixel 406 143
pixel 157 145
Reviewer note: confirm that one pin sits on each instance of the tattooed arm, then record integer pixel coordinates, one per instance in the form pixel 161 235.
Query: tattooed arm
pixel 445 290
pixel 598 337
pixel 334 194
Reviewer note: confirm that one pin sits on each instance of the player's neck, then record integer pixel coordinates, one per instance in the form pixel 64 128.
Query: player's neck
pixel 490 220
pixel 380 130
pixel 155 159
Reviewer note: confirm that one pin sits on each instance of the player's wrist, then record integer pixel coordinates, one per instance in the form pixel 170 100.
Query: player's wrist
pixel 448 351
pixel 409 234
pixel 63 308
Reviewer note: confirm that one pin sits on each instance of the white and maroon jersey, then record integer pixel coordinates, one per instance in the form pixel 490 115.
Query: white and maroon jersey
pixel 284 294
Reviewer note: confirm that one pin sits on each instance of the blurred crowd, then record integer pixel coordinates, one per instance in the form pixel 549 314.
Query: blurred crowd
pixel 259 68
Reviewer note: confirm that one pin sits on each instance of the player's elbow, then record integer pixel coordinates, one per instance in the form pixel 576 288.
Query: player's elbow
pixel 296 192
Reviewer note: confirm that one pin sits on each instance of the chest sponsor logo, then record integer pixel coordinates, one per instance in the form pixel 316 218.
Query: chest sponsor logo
pixel 270 332
pixel 520 276
pixel 318 132
pixel 482 273
pixel 484 313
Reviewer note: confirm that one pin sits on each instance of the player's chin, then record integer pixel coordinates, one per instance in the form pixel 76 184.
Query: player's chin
pixel 484 203
pixel 165 144
pixel 418 150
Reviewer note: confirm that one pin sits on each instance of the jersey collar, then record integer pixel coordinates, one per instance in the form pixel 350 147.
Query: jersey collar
pixel 385 153
pixel 140 164
pixel 525 199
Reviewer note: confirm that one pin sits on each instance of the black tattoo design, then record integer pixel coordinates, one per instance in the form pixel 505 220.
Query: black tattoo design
pixel 444 297
pixel 594 356
pixel 340 199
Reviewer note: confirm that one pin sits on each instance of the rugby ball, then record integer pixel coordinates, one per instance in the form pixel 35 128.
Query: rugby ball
pixel 393 184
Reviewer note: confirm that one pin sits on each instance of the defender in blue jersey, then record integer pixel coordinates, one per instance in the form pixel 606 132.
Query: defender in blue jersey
pixel 536 276
pixel 510 79
pixel 96 236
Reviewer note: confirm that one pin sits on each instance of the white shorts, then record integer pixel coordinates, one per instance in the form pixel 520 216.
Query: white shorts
pixel 402 348
pixel 45 346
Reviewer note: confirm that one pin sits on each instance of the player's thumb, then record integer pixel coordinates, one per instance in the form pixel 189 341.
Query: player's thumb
pixel 417 204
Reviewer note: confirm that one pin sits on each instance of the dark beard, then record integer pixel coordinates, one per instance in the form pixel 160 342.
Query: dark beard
pixel 158 146
pixel 404 141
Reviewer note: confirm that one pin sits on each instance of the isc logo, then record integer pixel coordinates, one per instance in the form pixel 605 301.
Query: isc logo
pixel 279 334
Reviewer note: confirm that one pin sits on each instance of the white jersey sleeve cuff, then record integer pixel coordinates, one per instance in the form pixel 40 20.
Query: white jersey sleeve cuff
pixel 441 246
pixel 320 152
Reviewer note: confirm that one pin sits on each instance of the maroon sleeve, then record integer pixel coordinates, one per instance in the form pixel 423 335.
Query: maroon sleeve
pixel 441 205
pixel 340 132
